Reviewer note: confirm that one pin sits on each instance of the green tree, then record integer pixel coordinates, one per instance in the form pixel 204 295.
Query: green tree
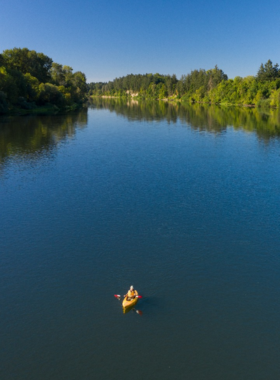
pixel 8 85
pixel 275 98
pixel 57 74
pixel 268 72
pixel 28 61
pixel 49 93
pixel 79 86
pixel 68 73
pixel 32 87
pixel 2 61
pixel 162 91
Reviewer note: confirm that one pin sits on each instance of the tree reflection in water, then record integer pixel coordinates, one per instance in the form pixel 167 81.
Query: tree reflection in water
pixel 264 122
pixel 27 137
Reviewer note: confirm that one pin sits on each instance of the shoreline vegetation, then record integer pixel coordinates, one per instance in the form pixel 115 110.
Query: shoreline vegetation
pixel 200 86
pixel 32 84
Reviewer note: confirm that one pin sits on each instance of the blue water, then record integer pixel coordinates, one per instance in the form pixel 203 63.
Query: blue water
pixel 186 208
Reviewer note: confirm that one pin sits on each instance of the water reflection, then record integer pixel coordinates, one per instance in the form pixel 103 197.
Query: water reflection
pixel 27 137
pixel 264 122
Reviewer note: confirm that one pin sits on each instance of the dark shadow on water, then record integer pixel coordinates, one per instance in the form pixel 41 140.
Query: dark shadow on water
pixel 151 305
pixel 30 137
pixel 145 305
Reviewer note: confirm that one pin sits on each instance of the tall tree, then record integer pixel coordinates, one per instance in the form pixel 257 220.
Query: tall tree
pixel 29 61
pixel 57 74
pixel 2 61
pixel 268 72
pixel 68 73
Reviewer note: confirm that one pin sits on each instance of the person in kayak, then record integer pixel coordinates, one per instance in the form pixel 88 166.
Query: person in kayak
pixel 131 294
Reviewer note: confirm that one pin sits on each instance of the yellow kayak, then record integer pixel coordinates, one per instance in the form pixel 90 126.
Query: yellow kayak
pixel 129 303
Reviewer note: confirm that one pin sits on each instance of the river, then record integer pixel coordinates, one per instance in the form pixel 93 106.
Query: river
pixel 181 202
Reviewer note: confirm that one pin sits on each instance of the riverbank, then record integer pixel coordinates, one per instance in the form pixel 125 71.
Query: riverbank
pixel 178 100
pixel 200 86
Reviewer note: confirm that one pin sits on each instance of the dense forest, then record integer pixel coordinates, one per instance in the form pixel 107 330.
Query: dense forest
pixel 30 80
pixel 200 86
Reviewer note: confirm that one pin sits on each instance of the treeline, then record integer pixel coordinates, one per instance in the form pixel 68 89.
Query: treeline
pixel 29 79
pixel 200 86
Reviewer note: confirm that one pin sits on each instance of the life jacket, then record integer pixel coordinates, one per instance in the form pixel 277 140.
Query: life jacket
pixel 132 293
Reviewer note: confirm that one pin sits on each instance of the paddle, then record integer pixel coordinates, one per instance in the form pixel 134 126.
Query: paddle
pixel 119 297
pixel 138 311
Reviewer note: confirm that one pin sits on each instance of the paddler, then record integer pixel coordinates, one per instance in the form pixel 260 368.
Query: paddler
pixel 132 293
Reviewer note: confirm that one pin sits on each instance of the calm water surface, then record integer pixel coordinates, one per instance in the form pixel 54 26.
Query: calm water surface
pixel 183 203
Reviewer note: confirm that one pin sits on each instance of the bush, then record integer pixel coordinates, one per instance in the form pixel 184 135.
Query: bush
pixel 263 103
pixel 275 98
pixel 49 93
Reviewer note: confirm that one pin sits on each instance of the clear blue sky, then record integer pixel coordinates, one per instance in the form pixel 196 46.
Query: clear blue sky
pixel 108 39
